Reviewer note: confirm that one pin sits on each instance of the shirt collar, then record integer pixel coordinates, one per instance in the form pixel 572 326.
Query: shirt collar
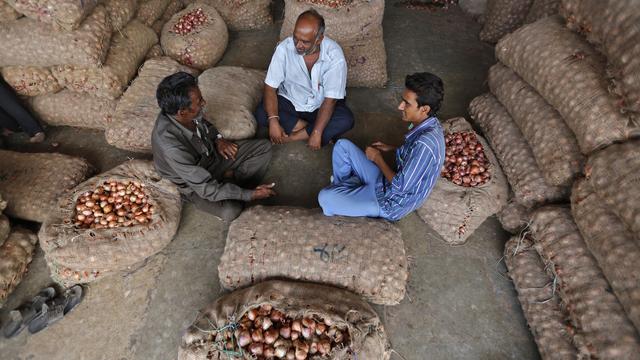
pixel 429 122
pixel 323 49
pixel 185 131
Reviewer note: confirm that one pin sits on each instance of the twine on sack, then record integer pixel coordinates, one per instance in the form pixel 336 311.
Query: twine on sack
pixel 220 344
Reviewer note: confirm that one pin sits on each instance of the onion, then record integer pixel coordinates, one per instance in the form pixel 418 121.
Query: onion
pixel 307 333
pixel 269 352
pixel 257 335
pixel 281 352
pixel 308 322
pixel 271 335
pixel 321 328
pixel 291 354
pixel 266 323
pixel 296 325
pixel 300 354
pixel 295 335
pixel 285 332
pixel 256 348
pixel 252 314
pixel 244 338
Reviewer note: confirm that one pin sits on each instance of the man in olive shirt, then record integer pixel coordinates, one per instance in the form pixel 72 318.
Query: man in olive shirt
pixel 215 174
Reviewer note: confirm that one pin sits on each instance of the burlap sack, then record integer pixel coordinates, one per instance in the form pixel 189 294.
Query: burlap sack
pixel 7 13
pixel 368 339
pixel 503 17
pixel 15 256
pixel 232 94
pixel 112 249
pixel 514 154
pixel 613 246
pixel 32 43
pixel 138 109
pixel 32 182
pixel 151 10
pixel 31 80
pixel 593 308
pixel 612 25
pixel 514 217
pixel 173 7
pixel 569 74
pixel 128 49
pixel 204 46
pixel 454 211
pixel 62 14
pixel 242 14
pixel 5 228
pixel 68 108
pixel 67 277
pixel 362 255
pixel 154 52
pixel 552 143
pixel 541 9
pixel 120 12
pixel 614 173
pixel 539 300
pixel 366 62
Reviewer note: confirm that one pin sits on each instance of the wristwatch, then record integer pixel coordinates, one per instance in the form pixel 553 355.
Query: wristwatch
pixel 219 136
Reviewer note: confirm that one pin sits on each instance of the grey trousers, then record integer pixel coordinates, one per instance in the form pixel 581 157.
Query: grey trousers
pixel 249 166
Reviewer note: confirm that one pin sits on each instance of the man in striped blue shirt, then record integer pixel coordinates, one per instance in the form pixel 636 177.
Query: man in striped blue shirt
pixel 363 184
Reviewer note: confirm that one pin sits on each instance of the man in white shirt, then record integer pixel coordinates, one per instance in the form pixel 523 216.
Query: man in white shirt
pixel 305 87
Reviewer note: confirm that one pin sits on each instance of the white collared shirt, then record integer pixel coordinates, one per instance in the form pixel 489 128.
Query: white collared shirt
pixel 288 73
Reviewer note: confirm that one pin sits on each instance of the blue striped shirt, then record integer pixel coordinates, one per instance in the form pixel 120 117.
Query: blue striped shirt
pixel 419 161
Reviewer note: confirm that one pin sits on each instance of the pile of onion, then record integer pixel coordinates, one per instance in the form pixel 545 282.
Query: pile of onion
pixel 331 3
pixel 113 204
pixel 465 163
pixel 267 333
pixel 189 22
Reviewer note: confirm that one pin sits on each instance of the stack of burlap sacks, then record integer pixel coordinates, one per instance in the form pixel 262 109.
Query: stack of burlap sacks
pixel 504 16
pixel 562 118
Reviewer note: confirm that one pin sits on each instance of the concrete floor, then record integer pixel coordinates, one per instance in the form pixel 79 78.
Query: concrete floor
pixel 459 305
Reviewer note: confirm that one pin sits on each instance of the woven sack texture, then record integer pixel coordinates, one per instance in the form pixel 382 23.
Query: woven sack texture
pixel 613 246
pixel 67 277
pixel 117 248
pixel 243 14
pixel 151 10
pixel 613 26
pixel 366 62
pixel 454 211
pixel 514 217
pixel 614 174
pixel 7 13
pixel 232 94
pixel 138 109
pixel 346 310
pixel 569 73
pixel 5 228
pixel 541 9
pixel 154 52
pixel 120 12
pixel 552 143
pixel 15 255
pixel 32 182
pixel 514 154
pixel 540 303
pixel 32 43
pixel 204 46
pixel 64 15
pixel 127 51
pixel 594 309
pixel 68 108
pixel 362 255
pixel 173 7
pixel 31 80
pixel 503 17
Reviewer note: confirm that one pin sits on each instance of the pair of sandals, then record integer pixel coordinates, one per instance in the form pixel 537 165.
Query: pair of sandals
pixel 42 311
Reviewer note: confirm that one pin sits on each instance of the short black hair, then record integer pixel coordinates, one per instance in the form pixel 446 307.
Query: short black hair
pixel 173 92
pixel 429 89
pixel 316 15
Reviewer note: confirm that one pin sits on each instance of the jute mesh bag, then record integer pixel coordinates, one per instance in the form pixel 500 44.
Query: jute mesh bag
pixel 613 26
pixel 514 154
pixel 68 108
pixel 514 217
pixel 232 93
pixel 614 174
pixel 366 61
pixel 594 309
pixel 31 80
pixel 541 9
pixel 362 255
pixel 15 255
pixel 243 14
pixel 32 43
pixel 503 17
pixel 455 211
pixel 112 248
pixel 154 52
pixel 32 182
pixel 7 13
pixel 68 277
pixel 151 10
pixel 5 228
pixel 138 109
pixel 613 246
pixel 552 143
pixel 347 311
pixel 569 73
pixel 203 46
pixel 64 15
pixel 540 302
pixel 120 12
pixel 127 51
pixel 173 7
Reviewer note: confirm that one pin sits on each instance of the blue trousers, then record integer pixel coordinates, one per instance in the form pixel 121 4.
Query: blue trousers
pixel 353 190
pixel 341 121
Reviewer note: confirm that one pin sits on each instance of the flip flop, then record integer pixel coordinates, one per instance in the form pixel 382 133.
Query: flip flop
pixel 56 309
pixel 20 318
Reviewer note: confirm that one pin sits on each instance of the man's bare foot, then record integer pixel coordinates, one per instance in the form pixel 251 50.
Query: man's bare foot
pixel 37 138
pixel 300 135
pixel 301 124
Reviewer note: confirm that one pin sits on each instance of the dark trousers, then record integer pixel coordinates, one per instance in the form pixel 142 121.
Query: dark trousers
pixel 341 121
pixel 249 167
pixel 13 115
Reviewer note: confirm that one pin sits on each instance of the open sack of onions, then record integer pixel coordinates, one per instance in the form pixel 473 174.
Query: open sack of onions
pixel 472 186
pixel 113 220
pixel 286 320
pixel 16 253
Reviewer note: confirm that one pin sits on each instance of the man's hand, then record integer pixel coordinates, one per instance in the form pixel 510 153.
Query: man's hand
pixel 227 149
pixel 276 132
pixel 315 140
pixel 263 191
pixel 382 146
pixel 373 154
